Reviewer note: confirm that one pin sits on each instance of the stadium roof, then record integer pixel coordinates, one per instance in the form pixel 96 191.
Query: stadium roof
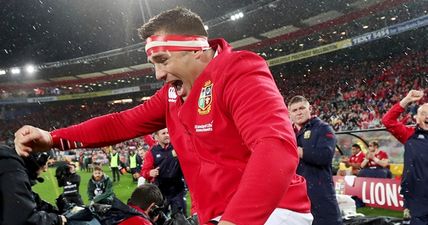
pixel 45 31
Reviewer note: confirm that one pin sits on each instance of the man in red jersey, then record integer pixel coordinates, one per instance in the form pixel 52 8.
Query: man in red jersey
pixel 375 163
pixel 356 159
pixel 227 120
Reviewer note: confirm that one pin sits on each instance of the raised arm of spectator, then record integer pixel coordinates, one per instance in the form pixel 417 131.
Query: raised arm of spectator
pixel 148 139
pixel 390 119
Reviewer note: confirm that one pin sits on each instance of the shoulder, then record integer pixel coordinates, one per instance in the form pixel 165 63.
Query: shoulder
pixel 322 125
pixel 10 161
pixel 381 152
pixel 238 64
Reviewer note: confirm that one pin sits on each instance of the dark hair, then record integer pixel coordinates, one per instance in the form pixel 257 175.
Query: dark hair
pixel 297 99
pixel 35 162
pixel 145 195
pixel 356 146
pixel 174 21
pixel 98 168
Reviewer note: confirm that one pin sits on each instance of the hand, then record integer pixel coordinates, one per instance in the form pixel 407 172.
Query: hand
pixel 412 96
pixel 63 219
pixel 300 152
pixel 154 172
pixel 370 155
pixel 29 139
pixel 136 175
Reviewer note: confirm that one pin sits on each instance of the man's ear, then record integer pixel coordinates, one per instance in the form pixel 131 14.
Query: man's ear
pixel 151 206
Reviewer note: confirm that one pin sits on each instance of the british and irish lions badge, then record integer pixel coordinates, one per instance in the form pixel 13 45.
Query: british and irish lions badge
pixel 205 98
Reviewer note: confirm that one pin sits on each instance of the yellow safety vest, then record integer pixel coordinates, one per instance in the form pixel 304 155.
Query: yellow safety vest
pixel 113 160
pixel 133 161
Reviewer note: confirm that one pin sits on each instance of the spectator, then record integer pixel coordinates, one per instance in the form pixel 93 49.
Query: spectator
pixel 375 163
pixel 100 187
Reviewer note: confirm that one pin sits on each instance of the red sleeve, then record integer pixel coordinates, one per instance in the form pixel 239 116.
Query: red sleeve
pixel 382 155
pixel 395 127
pixel 116 127
pixel 148 139
pixel 361 157
pixel 251 96
pixel 147 165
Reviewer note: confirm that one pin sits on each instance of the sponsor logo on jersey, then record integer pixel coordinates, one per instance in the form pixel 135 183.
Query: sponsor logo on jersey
pixel 172 94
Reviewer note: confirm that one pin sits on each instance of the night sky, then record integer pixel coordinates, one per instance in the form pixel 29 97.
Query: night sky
pixel 38 31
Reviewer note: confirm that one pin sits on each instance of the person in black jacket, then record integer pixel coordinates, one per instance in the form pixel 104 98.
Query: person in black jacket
pixel 67 178
pixel 19 205
pixel 161 166
pixel 316 145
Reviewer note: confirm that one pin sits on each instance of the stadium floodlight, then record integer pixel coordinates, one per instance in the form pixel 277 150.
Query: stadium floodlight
pixel 365 27
pixel 237 16
pixel 382 18
pixel 393 18
pixel 2 72
pixel 15 70
pixel 30 68
pixel 205 27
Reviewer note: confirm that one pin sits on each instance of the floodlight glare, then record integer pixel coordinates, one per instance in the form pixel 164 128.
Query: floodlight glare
pixel 30 69
pixel 15 70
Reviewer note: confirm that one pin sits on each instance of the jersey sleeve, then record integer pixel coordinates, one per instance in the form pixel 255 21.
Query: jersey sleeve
pixel 115 127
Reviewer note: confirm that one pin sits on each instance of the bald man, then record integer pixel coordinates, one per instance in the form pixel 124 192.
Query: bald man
pixel 415 139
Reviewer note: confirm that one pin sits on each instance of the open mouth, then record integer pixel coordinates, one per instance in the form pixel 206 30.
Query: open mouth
pixel 178 85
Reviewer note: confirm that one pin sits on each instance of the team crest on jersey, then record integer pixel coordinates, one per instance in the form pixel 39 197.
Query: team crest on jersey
pixel 307 134
pixel 205 98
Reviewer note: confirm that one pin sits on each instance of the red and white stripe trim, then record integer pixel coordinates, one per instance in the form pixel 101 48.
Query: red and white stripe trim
pixel 175 43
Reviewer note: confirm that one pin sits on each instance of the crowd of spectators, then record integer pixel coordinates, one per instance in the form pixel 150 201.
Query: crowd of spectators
pixel 352 97
pixel 348 96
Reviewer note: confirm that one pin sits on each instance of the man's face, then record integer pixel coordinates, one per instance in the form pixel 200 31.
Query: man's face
pixel 300 112
pixel 372 147
pixel 142 153
pixel 97 175
pixel 422 116
pixel 355 150
pixel 178 68
pixel 162 136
